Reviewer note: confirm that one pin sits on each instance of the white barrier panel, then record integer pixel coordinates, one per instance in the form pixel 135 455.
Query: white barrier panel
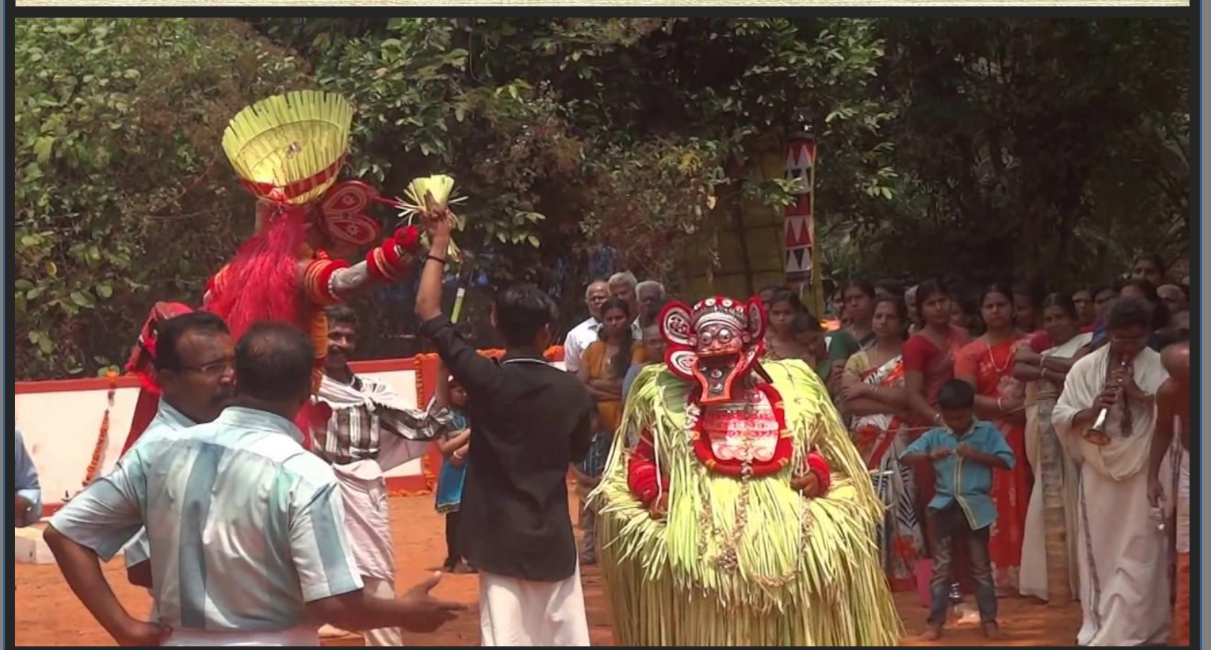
pixel 61 425
pixel 61 422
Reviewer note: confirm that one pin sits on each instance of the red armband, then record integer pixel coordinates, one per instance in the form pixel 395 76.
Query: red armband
pixel 408 239
pixel 376 263
pixel 818 466
pixel 318 280
pixel 641 473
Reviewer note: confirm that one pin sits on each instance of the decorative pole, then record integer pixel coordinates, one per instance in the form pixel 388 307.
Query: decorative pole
pixel 802 261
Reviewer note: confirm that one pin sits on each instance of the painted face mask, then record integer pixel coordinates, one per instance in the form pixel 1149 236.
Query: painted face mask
pixel 715 343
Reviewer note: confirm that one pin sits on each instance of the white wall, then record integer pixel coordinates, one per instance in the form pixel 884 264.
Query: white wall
pixel 60 430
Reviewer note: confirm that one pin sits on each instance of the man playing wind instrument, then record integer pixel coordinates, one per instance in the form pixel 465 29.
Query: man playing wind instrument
pixel 744 516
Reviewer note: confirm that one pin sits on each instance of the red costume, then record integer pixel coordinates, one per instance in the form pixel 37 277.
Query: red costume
pixel 288 151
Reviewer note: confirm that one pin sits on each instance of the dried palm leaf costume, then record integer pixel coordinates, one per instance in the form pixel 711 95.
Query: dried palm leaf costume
pixel 288 150
pixel 769 533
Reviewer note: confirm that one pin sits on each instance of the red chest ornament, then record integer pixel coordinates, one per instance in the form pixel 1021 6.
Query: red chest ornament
pixel 744 437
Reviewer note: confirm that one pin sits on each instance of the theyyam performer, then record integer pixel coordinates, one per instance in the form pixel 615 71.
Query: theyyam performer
pixel 288 151
pixel 743 515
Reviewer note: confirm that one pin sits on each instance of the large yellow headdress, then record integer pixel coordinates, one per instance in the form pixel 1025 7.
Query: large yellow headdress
pixel 289 148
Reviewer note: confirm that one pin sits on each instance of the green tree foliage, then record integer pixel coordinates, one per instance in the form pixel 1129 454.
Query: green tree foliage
pixel 1052 148
pixel 573 134
pixel 122 194
pixel 947 147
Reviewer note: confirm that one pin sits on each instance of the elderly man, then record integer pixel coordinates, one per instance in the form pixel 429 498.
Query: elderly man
pixel 651 296
pixel 1105 418
pixel 27 493
pixel 622 287
pixel 583 335
pixel 369 430
pixel 247 527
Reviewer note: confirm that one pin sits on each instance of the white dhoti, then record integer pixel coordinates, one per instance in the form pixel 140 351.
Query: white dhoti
pixel 1123 557
pixel 299 636
pixel 368 525
pixel 515 612
pixel 1124 562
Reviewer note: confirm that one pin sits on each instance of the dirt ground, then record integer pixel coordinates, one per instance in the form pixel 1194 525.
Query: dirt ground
pixel 47 613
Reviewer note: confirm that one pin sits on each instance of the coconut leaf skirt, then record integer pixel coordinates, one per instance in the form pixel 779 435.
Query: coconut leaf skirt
pixel 743 562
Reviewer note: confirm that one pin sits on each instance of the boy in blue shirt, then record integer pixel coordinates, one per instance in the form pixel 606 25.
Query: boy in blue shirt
pixel 963 454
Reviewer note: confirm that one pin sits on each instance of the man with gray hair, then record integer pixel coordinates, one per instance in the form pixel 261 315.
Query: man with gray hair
pixel 622 286
pixel 581 336
pixel 651 296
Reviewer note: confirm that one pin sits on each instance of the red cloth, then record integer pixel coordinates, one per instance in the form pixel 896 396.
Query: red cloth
pixel 934 363
pixel 641 471
pixel 1181 608
pixel 991 366
pixel 1040 342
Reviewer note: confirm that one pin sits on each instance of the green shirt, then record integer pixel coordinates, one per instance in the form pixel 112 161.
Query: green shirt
pixel 841 346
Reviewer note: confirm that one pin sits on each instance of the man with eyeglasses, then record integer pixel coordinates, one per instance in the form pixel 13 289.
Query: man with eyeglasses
pixel 1106 418
pixel 192 357
pixel 247 526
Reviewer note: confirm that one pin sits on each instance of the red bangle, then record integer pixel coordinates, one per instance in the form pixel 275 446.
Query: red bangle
pixel 395 266
pixel 319 277
pixel 376 265
pixel 818 466
pixel 408 238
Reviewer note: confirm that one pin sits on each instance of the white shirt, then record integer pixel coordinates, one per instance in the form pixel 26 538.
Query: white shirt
pixel 583 335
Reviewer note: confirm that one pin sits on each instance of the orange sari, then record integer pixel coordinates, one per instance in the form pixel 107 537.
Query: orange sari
pixel 609 413
pixel 992 367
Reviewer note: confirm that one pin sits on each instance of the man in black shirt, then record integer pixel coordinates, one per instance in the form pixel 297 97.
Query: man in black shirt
pixel 529 421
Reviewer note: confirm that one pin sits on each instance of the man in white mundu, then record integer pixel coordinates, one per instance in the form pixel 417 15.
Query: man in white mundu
pixel 368 430
pixel 1122 550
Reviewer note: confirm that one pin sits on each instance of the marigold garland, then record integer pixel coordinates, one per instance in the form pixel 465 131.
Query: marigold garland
pixel 94 467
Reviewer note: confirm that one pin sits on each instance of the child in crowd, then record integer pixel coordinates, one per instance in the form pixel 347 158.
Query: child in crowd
pixel 454 447
pixel 964 454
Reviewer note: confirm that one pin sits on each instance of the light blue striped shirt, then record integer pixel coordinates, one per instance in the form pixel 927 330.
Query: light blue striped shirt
pixel 245 525
pixel 168 419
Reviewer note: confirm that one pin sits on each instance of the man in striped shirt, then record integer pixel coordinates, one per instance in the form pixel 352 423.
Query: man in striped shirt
pixel 246 527
pixel 368 430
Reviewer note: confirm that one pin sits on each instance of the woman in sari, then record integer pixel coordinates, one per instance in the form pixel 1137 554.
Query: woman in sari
pixel 928 363
pixel 875 398
pixel 987 364
pixel 1049 559
pixel 780 341
pixel 794 333
pixel 859 308
pixel 603 366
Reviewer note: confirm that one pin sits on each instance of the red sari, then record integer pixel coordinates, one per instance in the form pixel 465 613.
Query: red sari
pixel 992 368
pixel 936 365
